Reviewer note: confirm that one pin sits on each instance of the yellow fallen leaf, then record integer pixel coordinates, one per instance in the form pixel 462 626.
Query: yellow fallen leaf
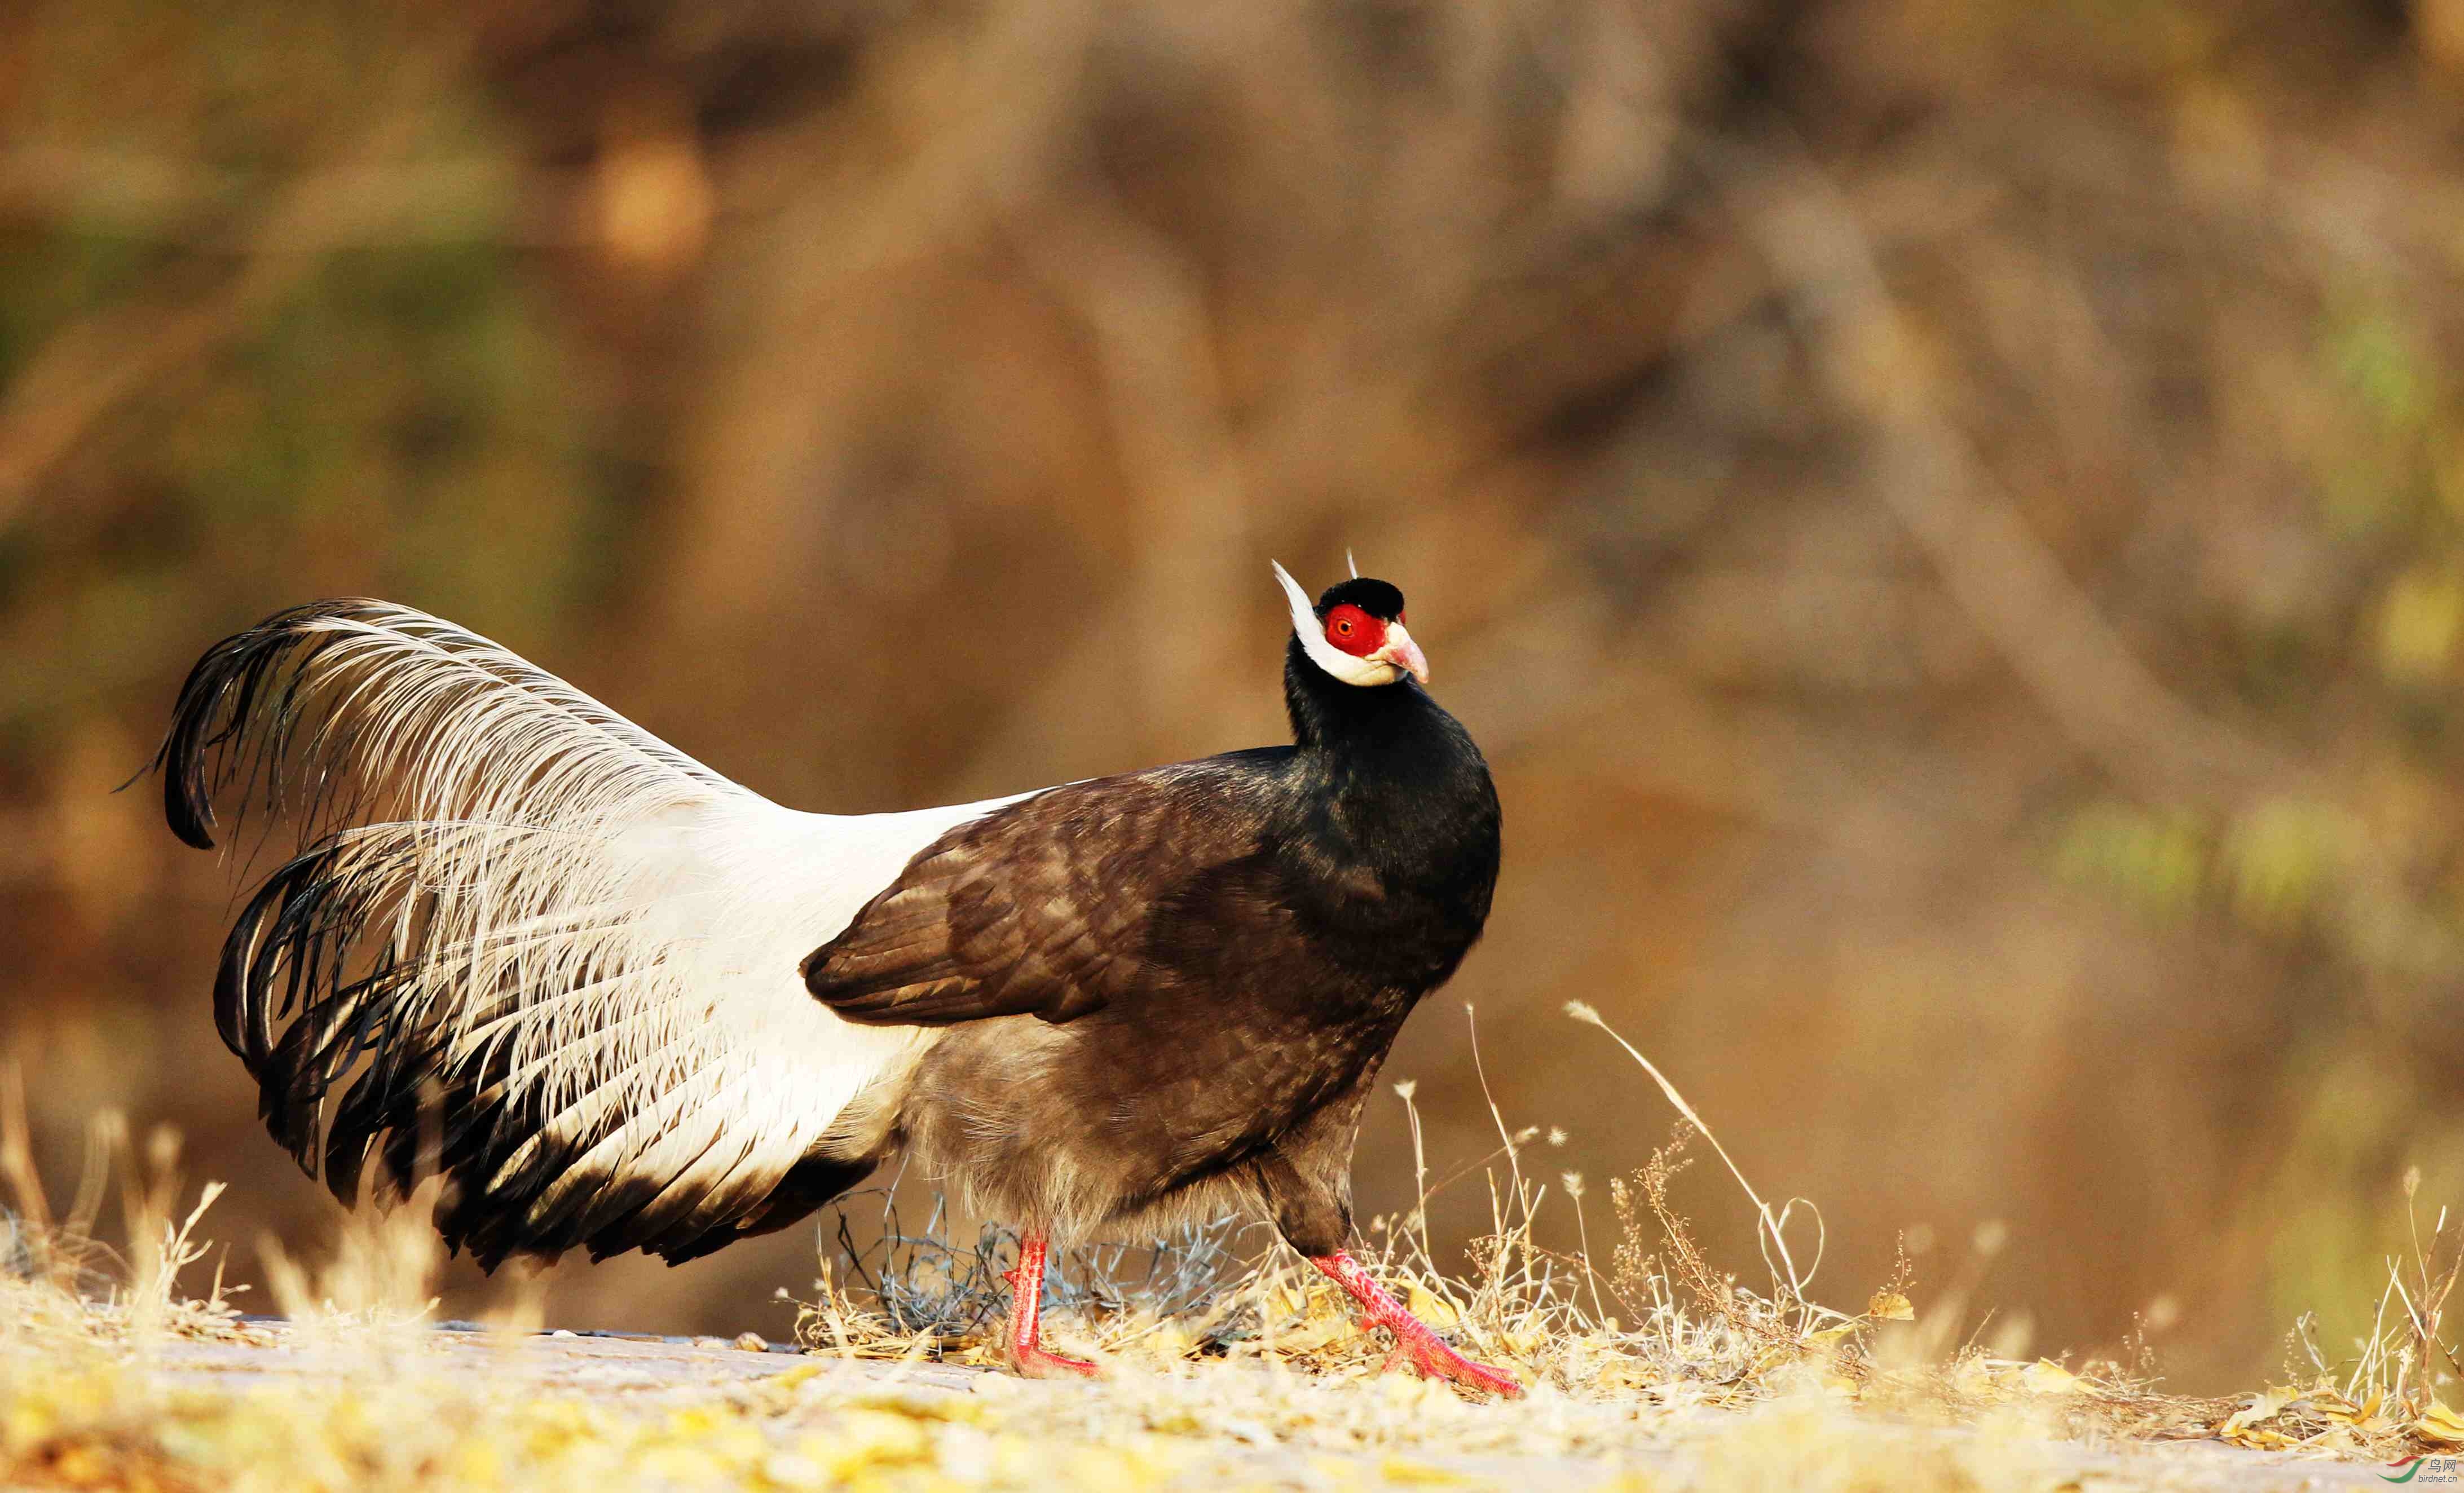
pixel 693 1422
pixel 1114 1469
pixel 2045 1376
pixel 1412 1394
pixel 864 1439
pixel 916 1407
pixel 2440 1426
pixel 2241 1426
pixel 1307 1339
pixel 1172 1341
pixel 1890 1307
pixel 80 1466
pixel 1972 1375
pixel 476 1463
pixel 2331 1405
pixel 2262 1407
pixel 1432 1308
pixel 23 1425
pixel 1397 1469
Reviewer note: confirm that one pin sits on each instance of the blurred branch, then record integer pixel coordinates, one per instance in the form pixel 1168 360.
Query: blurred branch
pixel 1145 309
pixel 1553 675
pixel 89 367
pixel 814 247
pixel 2005 578
pixel 86 369
pixel 417 201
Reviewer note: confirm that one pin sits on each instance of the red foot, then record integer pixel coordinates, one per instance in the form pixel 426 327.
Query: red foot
pixel 1416 1342
pixel 1036 1362
pixel 1436 1360
pixel 1024 1340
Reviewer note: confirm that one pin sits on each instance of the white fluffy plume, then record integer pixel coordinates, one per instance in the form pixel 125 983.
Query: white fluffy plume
pixel 517 907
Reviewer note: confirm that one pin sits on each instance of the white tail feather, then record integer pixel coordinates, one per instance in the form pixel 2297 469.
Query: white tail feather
pixel 592 927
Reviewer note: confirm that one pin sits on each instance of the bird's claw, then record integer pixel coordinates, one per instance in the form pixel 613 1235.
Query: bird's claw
pixel 1435 1360
pixel 1432 1358
pixel 1415 1340
pixel 1035 1362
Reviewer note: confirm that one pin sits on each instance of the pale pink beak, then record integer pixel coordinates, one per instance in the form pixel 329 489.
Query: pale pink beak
pixel 1402 653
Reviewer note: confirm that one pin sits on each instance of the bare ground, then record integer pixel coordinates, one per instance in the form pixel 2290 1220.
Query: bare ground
pixel 674 1412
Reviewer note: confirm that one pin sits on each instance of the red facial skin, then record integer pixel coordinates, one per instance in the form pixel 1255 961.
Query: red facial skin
pixel 1354 631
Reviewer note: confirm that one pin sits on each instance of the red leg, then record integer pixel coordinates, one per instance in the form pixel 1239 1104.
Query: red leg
pixel 1025 1340
pixel 1414 1339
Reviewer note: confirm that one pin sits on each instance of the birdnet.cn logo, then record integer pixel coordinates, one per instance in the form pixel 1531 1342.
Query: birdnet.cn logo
pixel 2423 1470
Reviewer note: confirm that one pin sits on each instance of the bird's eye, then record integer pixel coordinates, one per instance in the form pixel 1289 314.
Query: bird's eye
pixel 1344 627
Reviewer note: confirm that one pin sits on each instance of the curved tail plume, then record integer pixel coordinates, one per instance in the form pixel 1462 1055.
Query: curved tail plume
pixel 531 946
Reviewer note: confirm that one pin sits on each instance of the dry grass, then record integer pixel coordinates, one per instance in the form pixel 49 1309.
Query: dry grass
pixel 2382 1401
pixel 1654 1366
pixel 1661 1326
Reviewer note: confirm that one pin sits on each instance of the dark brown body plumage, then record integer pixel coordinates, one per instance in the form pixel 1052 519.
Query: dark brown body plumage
pixel 1171 990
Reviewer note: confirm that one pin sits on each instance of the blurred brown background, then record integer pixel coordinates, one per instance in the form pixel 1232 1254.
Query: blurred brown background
pixel 1948 518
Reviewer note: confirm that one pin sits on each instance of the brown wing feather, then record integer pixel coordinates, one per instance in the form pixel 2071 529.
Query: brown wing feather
pixel 1049 908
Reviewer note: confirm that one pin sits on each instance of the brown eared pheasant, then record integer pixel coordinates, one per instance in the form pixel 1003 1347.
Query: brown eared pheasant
pixel 618 1002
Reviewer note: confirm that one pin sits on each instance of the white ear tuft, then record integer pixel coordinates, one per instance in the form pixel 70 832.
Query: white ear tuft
pixel 1303 610
pixel 1351 564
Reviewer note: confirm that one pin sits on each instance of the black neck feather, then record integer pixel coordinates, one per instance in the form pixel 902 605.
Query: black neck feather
pixel 1396 764
pixel 1390 782
pixel 1329 715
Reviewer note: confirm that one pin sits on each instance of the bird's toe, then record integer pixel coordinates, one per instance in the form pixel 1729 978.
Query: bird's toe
pixel 1035 1362
pixel 1437 1361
